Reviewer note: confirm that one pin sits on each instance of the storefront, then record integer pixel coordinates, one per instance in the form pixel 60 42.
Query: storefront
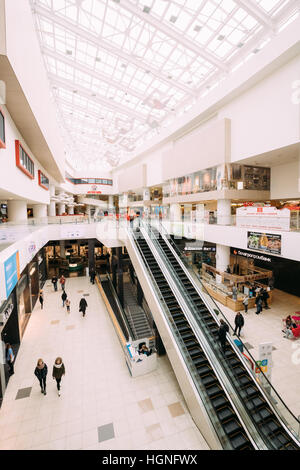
pixel 9 334
pixel 286 272
pixel 42 267
pixel 198 252
pixel 23 302
pixel 33 270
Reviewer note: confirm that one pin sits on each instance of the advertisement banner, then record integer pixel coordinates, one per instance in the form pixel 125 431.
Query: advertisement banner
pixel 266 242
pixel 12 272
pixel 263 218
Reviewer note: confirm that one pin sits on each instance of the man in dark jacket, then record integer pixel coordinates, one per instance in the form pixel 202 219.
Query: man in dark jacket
pixel 239 323
pixel 64 297
pixel 224 328
pixel 93 275
pixel 265 297
pixel 82 306
pixel 54 282
pixel 258 303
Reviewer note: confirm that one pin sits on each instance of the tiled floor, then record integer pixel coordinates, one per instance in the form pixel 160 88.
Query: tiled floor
pixel 267 327
pixel 101 406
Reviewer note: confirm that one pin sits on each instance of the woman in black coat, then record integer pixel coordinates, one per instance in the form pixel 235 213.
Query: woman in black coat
pixel 82 306
pixel 239 323
pixel 41 371
pixel 58 372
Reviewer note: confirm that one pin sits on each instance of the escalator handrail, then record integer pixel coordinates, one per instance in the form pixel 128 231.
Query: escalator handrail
pixel 117 300
pixel 173 329
pixel 277 412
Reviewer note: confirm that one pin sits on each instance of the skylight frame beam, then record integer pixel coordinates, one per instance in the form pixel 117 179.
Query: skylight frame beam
pixel 115 107
pixel 105 45
pixel 93 73
pixel 171 33
pixel 257 12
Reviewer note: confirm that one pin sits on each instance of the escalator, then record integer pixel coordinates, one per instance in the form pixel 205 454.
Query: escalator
pixel 112 298
pixel 224 412
pixel 273 432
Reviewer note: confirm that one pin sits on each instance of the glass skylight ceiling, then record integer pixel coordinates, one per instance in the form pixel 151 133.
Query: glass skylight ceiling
pixel 122 70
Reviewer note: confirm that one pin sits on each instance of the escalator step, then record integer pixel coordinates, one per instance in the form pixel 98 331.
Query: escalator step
pixel 208 380
pixel 239 441
pixel 204 370
pixel 191 343
pixel 231 427
pixel 219 402
pixel 249 391
pixel 213 390
pixel 200 361
pixel 225 413
pixel 195 351
pixel 245 380
pixel 255 403
pixel 273 426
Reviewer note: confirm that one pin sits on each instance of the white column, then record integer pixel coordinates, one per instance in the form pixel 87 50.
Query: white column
pixel 222 257
pixel 110 203
pixel 62 248
pixel 176 220
pixel 52 209
pixel 61 208
pixel 224 212
pixel 146 194
pixel 17 211
pixel 71 210
pixel 39 211
pixel 88 211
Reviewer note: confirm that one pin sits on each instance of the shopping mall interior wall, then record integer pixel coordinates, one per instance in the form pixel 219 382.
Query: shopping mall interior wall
pixel 24 54
pixel 265 117
pixel 12 179
pixel 206 148
pixel 2 28
pixel 284 181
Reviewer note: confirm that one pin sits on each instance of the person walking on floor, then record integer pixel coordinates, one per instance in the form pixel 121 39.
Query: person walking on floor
pixel 223 329
pixel 246 303
pixel 265 296
pixel 68 303
pixel 62 282
pixel 93 275
pixel 41 371
pixel 239 323
pixel 54 282
pixel 41 299
pixel 58 372
pixel 64 297
pixel 9 358
pixel 82 306
pixel 258 303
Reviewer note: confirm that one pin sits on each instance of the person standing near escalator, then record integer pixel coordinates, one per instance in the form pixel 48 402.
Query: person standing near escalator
pixel 223 329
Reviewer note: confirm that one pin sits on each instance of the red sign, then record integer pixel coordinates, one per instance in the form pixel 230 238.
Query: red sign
pixel 94 192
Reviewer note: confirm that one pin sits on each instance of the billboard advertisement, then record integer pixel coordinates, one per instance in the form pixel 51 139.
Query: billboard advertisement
pixel 12 272
pixel 269 243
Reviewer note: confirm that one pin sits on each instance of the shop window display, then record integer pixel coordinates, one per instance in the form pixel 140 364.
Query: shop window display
pixel 228 176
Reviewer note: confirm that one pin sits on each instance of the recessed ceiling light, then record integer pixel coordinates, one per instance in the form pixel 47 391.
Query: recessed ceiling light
pixel 255 51
pixel 240 44
pixel 190 82
pixel 173 19
pixel 93 94
pixel 75 91
pixel 146 9
pixel 97 59
pixel 124 66
pixel 116 1
pixel 220 37
pixel 69 52
pixel 170 77
pixel 147 71
pixel 197 28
